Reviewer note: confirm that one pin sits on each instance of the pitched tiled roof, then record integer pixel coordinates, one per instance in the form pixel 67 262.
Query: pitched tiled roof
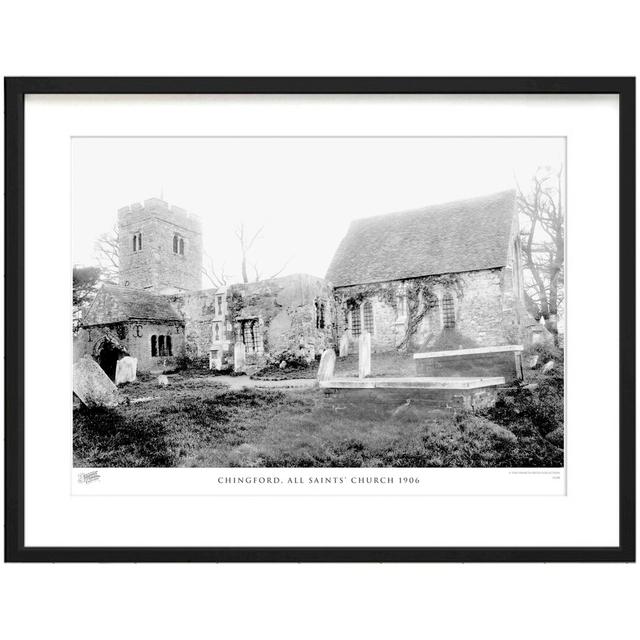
pixel 467 235
pixel 118 304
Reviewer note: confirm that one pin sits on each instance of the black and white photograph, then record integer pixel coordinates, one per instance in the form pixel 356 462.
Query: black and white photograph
pixel 318 302
pixel 320 320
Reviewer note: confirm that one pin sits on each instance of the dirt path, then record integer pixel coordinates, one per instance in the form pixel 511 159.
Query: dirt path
pixel 238 382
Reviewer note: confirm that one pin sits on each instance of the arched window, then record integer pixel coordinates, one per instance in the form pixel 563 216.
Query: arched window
pixel 154 346
pixel 181 247
pixel 216 327
pixel 448 311
pixel 367 316
pixel 356 325
pixel 175 244
pixel 135 242
pixel 139 241
pixel 168 344
pixel 161 350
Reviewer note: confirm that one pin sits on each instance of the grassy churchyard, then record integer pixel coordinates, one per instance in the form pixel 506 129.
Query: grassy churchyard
pixel 197 420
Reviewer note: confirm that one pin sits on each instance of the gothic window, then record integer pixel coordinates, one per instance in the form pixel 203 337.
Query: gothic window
pixel 168 346
pixel 250 336
pixel 137 242
pixel 367 316
pixel 175 244
pixel 355 322
pixel 216 331
pixel 448 311
pixel 219 305
pixel 154 346
pixel 181 247
pixel 161 349
pixel 402 305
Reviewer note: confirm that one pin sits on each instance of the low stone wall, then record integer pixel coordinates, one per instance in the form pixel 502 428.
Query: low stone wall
pixel 395 400
pixel 471 363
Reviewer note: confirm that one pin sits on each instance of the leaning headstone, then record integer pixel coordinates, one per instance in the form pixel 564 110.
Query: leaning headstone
pixel 327 364
pixel 126 369
pixel 364 355
pixel 532 361
pixel 344 345
pixel 92 385
pixel 163 381
pixel 547 367
pixel 239 357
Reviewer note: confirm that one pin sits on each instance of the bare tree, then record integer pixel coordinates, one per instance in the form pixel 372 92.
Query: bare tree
pixel 247 241
pixel 217 277
pixel 108 255
pixel 543 243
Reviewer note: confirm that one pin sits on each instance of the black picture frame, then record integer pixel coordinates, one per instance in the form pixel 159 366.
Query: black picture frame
pixel 15 91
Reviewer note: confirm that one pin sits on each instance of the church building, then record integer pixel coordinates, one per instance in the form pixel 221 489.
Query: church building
pixel 441 277
pixel 159 314
pixel 437 278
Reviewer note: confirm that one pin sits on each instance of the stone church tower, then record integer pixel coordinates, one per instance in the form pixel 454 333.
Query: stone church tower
pixel 160 248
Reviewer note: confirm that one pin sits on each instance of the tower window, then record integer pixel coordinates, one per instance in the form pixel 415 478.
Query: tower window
pixel 154 346
pixel 137 242
pixel 448 311
pixel 168 346
pixel 219 305
pixel 178 244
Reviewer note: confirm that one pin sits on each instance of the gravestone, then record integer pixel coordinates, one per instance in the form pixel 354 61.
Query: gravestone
pixel 126 369
pixel 327 364
pixel 163 381
pixel 548 366
pixel 344 345
pixel 92 385
pixel 239 357
pixel 364 354
pixel 532 361
pixel 215 359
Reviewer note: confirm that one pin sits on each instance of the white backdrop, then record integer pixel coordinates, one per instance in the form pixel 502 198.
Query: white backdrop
pixel 400 38
pixel 586 516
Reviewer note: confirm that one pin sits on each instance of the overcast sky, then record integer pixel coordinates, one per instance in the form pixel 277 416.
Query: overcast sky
pixel 303 191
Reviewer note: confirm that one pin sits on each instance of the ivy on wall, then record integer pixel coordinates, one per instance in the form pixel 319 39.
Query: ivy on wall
pixel 421 294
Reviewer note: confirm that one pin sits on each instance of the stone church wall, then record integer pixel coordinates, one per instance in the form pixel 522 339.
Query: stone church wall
pixel 486 313
pixel 134 338
pixel 286 315
pixel 202 311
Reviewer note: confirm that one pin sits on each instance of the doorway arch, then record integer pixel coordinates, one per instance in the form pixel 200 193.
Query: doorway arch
pixel 107 352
